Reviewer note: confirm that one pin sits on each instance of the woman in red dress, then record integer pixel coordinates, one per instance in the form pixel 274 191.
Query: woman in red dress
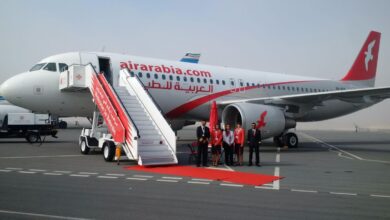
pixel 216 141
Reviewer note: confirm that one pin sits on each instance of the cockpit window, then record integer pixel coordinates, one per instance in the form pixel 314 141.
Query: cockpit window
pixel 51 67
pixel 37 67
pixel 63 67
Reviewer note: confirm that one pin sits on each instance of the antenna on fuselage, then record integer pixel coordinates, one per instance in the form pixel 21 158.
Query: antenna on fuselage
pixel 103 48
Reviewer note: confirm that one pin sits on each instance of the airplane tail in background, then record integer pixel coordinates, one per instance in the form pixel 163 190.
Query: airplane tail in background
pixel 191 58
pixel 363 70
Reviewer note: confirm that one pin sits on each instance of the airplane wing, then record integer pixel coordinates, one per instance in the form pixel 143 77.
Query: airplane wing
pixel 364 95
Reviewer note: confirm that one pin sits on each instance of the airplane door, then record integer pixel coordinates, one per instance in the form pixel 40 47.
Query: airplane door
pixel 105 68
pixel 240 85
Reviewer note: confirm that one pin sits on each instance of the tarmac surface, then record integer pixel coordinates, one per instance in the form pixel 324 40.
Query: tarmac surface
pixel 332 175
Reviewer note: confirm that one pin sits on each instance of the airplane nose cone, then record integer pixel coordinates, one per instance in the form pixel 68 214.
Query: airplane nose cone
pixel 11 89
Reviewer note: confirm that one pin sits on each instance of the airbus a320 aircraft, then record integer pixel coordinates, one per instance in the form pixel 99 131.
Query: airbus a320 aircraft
pixel 184 91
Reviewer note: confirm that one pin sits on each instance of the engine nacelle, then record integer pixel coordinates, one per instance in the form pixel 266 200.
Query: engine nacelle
pixel 271 119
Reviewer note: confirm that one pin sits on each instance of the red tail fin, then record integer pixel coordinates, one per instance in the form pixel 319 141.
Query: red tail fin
pixel 364 67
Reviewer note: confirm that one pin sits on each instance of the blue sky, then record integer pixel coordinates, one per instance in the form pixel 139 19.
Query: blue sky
pixel 312 38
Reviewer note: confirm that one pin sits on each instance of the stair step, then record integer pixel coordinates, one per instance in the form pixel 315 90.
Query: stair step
pixel 145 126
pixel 158 161
pixel 154 148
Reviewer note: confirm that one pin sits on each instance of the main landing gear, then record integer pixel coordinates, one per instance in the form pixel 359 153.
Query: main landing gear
pixel 287 139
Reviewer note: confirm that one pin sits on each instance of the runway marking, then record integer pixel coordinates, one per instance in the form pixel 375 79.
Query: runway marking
pixel 276 183
pixel 78 175
pixel 342 151
pixel 143 176
pixel 264 187
pixel 88 173
pixel 114 174
pixel 37 170
pixel 108 177
pixel 27 172
pixel 232 185
pixel 278 149
pixel 342 193
pixel 169 181
pixel 136 178
pixel 5 171
pixel 41 215
pixel 198 182
pixel 380 196
pixel 53 156
pixel 277 159
pixel 53 174
pixel 172 178
pixel 206 180
pixel 12 168
pixel 61 171
pixel 304 190
pixel 341 155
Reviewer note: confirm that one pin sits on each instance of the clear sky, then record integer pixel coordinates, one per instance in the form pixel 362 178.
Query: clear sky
pixel 311 38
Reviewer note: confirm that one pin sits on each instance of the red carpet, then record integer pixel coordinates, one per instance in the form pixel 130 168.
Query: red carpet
pixel 212 174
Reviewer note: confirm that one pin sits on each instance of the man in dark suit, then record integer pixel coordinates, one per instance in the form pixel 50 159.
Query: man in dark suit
pixel 203 135
pixel 254 140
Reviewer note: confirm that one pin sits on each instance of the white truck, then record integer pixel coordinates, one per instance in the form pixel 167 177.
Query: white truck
pixel 26 125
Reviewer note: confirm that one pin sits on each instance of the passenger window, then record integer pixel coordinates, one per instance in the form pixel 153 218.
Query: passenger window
pixel 211 81
pixel 198 80
pixel 140 74
pixel 64 66
pixel 178 78
pixel 223 82
pixel 170 77
pixel 51 67
pixel 132 74
pixel 163 77
pixel 155 76
pixel 148 75
pixel 192 79
pixel 185 79
pixel 205 80
pixel 217 81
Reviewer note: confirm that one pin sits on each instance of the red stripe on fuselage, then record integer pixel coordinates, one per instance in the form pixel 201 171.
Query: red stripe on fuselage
pixel 184 108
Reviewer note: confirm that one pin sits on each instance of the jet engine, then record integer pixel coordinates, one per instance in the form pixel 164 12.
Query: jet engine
pixel 271 120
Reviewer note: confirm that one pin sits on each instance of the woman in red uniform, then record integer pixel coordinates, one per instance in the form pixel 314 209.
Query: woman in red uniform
pixel 216 140
pixel 239 136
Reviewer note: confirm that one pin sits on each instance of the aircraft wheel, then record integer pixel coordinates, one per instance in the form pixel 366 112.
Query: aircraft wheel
pixel 291 140
pixel 83 147
pixel 108 151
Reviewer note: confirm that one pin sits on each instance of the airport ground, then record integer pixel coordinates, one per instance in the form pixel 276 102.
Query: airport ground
pixel 332 175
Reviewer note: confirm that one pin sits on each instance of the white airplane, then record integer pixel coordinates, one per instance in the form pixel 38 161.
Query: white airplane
pixel 184 91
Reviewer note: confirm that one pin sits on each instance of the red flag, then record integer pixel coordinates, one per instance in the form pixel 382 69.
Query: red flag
pixel 213 120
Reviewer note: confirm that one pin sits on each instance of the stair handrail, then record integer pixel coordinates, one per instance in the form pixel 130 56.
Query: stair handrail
pixel 170 144
pixel 96 73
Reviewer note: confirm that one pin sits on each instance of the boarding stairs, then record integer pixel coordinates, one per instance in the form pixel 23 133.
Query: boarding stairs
pixel 131 115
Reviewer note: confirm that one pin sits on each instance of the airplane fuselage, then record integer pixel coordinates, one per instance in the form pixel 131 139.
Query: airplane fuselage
pixel 183 91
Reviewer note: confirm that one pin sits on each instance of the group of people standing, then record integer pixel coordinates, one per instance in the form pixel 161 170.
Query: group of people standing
pixel 233 143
